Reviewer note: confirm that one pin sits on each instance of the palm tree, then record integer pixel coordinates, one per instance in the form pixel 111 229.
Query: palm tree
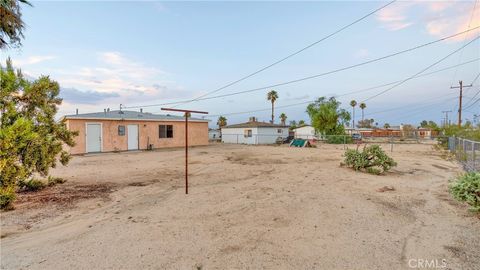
pixel 386 125
pixel 363 106
pixel 222 121
pixel 301 123
pixel 272 96
pixel 353 103
pixel 283 118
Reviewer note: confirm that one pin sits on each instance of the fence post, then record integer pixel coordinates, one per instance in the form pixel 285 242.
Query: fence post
pixel 391 144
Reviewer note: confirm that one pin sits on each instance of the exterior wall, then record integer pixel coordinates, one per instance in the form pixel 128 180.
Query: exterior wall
pixel 260 135
pixel 236 135
pixel 214 134
pixel 269 135
pixel 148 133
pixel 306 133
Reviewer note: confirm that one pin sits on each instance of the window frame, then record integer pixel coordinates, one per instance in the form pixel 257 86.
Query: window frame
pixel 167 131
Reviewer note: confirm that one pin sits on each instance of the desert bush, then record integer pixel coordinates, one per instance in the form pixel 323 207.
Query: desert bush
pixel 55 180
pixel 7 196
pixel 32 185
pixel 339 139
pixel 466 188
pixel 372 159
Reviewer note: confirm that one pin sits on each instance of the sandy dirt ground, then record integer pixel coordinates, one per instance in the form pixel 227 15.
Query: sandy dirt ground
pixel 249 207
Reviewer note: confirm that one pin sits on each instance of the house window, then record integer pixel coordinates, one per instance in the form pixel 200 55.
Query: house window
pixel 247 133
pixel 165 131
pixel 121 130
pixel 279 131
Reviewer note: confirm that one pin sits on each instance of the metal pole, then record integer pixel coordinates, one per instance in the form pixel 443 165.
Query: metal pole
pixel 187 114
pixel 186 153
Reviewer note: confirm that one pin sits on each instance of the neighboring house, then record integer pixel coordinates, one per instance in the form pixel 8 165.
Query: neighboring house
pixel 214 134
pixel 253 132
pixel 426 133
pixel 305 132
pixel 129 130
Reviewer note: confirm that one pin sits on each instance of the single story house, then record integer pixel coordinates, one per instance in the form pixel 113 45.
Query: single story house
pixel 130 130
pixel 253 132
pixel 214 134
pixel 304 132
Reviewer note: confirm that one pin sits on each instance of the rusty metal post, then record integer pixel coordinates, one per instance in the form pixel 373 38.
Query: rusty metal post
pixel 187 114
pixel 186 153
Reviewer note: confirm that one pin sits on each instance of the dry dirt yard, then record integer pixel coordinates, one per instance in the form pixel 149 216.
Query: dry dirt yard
pixel 249 207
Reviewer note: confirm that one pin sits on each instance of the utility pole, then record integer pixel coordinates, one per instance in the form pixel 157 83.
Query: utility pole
pixel 446 117
pixel 461 86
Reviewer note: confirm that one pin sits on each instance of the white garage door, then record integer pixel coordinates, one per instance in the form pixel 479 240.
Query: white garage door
pixel 94 138
pixel 132 137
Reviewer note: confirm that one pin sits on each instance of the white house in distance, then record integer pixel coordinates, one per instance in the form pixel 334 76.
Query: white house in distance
pixel 214 134
pixel 305 132
pixel 253 132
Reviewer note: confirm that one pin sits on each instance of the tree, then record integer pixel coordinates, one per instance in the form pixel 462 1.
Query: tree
pixel 31 140
pixel 283 119
pixel 222 121
pixel 301 123
pixel 386 125
pixel 353 103
pixel 367 123
pixel 326 116
pixel 272 96
pixel 11 23
pixel 429 124
pixel 363 106
pixel 293 124
pixel 408 130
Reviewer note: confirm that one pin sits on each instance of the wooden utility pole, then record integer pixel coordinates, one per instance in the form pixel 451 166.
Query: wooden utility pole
pixel 446 117
pixel 187 114
pixel 461 86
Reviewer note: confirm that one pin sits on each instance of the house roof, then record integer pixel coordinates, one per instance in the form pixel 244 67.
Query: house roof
pixel 253 124
pixel 131 115
pixel 303 126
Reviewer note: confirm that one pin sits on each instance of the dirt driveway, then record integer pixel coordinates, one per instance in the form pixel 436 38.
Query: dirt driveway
pixel 249 207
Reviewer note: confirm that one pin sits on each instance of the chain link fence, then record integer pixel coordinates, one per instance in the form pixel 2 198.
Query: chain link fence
pixel 467 152
pixel 345 140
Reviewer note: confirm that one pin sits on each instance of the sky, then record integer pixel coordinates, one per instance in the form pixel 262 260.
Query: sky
pixel 107 53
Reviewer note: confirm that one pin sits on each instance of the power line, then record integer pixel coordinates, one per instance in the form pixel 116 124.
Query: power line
pixel 293 54
pixel 464 40
pixel 422 109
pixel 423 70
pixel 403 106
pixel 313 76
pixel 478 99
pixel 348 93
pixel 476 78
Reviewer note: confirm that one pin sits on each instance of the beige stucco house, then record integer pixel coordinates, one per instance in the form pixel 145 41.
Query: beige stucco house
pixel 130 130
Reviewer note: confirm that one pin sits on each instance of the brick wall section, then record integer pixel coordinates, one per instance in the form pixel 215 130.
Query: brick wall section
pixel 147 132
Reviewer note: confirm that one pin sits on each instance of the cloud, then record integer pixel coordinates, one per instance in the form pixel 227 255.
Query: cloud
pixel 395 17
pixel 440 18
pixel 32 60
pixel 75 96
pixel 131 81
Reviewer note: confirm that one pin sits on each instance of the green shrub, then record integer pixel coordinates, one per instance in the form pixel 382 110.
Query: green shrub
pixel 339 139
pixel 32 185
pixel 371 159
pixel 466 188
pixel 7 196
pixel 55 180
